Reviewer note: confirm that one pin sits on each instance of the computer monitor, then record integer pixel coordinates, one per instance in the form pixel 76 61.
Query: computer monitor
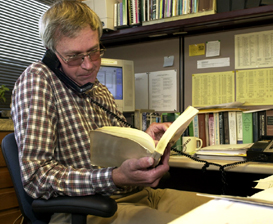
pixel 118 76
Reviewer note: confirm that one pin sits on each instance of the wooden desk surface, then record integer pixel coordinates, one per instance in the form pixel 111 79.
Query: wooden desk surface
pixel 250 167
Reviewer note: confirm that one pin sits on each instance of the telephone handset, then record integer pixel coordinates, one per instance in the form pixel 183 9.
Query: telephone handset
pixel 50 60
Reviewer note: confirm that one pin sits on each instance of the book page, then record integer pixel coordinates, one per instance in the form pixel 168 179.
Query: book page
pixel 213 88
pixel 176 129
pixel 254 87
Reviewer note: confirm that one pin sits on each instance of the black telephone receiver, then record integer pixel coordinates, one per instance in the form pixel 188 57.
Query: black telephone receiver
pixel 51 60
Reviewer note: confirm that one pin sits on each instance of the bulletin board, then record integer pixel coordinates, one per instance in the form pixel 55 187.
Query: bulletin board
pixel 197 61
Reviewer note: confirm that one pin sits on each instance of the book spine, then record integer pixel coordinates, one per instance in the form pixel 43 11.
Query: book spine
pixel 247 128
pixel 269 122
pixel 216 128
pixel 207 128
pixel 195 126
pixel 125 12
pixel 202 128
pixel 255 126
pixel 226 127
pixel 221 128
pixel 121 13
pixel 153 11
pixel 118 17
pixel 239 127
pixel 144 121
pixel 191 129
pixel 211 129
pixel 262 123
pixel 115 14
pixel 131 11
pixel 232 127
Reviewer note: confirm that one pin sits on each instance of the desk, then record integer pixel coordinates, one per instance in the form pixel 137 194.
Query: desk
pixel 250 167
pixel 186 174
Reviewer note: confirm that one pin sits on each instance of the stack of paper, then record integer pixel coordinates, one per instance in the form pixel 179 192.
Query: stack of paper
pixel 224 152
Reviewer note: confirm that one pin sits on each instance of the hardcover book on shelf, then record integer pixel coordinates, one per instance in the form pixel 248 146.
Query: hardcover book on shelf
pixel 226 127
pixel 111 146
pixel 216 128
pixel 191 129
pixel 247 128
pixel 256 133
pixel 262 122
pixel 202 128
pixel 221 128
pixel 239 127
pixel 211 129
pixel 195 126
pixel 232 127
pixel 269 122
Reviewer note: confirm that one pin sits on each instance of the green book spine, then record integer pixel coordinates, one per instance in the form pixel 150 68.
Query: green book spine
pixel 247 128
pixel 191 129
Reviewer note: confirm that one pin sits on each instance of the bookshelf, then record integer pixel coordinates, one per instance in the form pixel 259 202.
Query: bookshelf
pixel 192 26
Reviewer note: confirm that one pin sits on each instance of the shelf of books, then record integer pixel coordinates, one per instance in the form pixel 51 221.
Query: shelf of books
pixel 232 130
pixel 146 20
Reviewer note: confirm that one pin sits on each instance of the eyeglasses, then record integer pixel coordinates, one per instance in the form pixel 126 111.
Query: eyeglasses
pixel 77 59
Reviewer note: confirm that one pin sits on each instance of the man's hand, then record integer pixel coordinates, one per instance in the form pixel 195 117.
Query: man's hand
pixel 156 130
pixel 141 172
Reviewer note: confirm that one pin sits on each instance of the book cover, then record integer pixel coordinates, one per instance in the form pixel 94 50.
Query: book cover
pixel 239 127
pixel 247 128
pixel 211 129
pixel 226 127
pixel 221 128
pixel 232 127
pixel 269 122
pixel 117 144
pixel 202 128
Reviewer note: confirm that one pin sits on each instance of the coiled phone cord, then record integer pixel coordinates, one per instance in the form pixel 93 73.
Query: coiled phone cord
pixel 207 164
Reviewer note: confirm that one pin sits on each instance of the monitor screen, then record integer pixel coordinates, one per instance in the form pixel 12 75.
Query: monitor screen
pixel 119 77
pixel 111 77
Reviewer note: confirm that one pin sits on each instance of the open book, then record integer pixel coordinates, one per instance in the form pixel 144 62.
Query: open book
pixel 111 146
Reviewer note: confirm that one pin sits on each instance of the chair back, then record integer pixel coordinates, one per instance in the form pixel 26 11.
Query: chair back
pixel 10 152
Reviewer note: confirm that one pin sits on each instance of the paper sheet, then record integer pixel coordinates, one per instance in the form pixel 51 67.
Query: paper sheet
pixel 255 86
pixel 254 50
pixel 213 88
pixel 221 211
pixel 163 90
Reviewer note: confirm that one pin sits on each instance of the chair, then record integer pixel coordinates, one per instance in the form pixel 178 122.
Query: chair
pixel 39 211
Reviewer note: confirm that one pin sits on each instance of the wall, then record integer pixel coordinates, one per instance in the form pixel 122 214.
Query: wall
pixel 149 57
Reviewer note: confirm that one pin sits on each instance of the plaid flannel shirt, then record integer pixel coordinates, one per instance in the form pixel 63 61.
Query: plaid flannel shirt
pixel 52 125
